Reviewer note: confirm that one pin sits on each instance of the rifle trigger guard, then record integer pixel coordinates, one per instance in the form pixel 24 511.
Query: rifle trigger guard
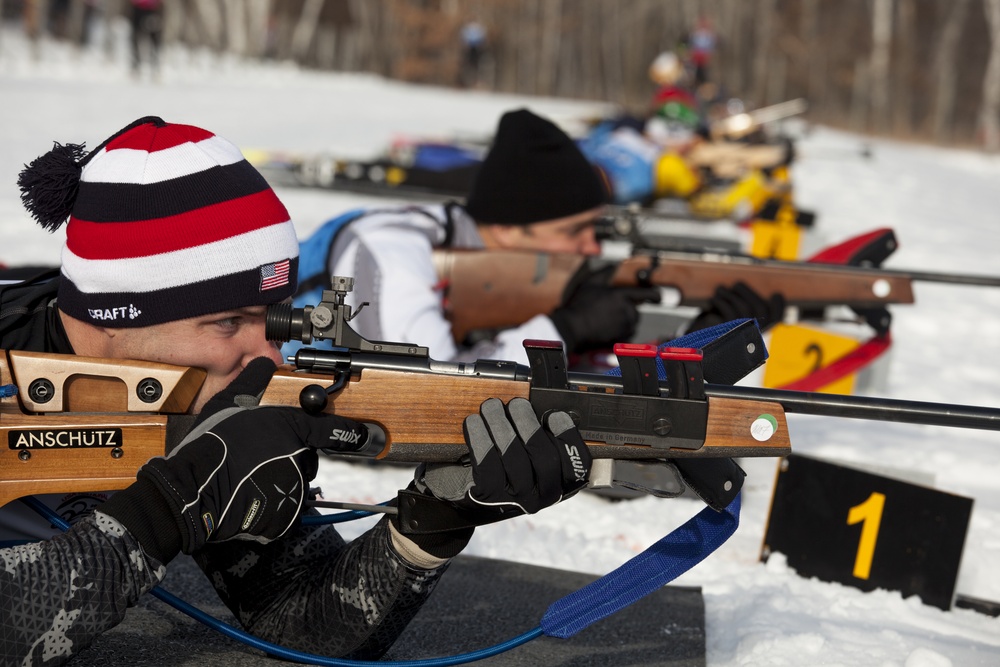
pixel 314 398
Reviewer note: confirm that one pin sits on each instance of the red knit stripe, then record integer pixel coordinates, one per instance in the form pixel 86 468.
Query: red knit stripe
pixel 111 240
pixel 151 138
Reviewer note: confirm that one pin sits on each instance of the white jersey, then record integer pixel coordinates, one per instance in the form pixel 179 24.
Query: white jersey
pixel 389 254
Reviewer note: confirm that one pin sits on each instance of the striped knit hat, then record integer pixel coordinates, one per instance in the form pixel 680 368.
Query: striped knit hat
pixel 166 222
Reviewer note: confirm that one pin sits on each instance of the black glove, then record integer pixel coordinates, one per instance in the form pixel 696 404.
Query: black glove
pixel 595 315
pixel 515 467
pixel 241 473
pixel 739 301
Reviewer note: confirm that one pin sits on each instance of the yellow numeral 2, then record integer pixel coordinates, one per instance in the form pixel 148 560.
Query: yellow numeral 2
pixel 870 513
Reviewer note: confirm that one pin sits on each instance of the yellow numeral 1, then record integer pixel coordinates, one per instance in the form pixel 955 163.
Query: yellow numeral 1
pixel 869 512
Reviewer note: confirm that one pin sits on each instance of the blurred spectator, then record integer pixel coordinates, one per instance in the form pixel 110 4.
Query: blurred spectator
pixel 701 45
pixel 473 44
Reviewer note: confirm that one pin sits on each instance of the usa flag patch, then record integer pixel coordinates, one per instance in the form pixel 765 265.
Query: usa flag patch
pixel 274 275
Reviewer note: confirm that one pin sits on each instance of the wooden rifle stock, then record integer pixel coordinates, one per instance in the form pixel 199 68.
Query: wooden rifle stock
pixel 802 284
pixel 90 430
pixel 82 424
pixel 495 289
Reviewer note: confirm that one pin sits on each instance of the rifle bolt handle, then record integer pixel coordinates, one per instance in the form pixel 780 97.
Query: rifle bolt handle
pixel 313 399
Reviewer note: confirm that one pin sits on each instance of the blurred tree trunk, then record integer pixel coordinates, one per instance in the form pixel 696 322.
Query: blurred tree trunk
pixel 236 28
pixel 763 39
pixel 731 57
pixel 611 41
pixel 777 77
pixel 945 81
pixel 35 18
pixel 903 75
pixel 305 29
pixel 111 12
pixel 76 23
pixel 551 35
pixel 860 100
pixel 809 32
pixel 989 114
pixel 210 21
pixel 258 27
pixel 878 67
pixel 590 72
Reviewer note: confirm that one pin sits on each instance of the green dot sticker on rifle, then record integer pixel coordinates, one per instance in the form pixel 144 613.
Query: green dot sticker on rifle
pixel 763 427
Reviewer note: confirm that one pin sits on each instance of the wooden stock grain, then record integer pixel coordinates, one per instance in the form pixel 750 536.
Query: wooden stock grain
pixel 77 470
pixel 422 415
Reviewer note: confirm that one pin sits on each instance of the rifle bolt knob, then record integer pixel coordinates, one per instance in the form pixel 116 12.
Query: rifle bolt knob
pixel 313 399
pixel 24 455
pixel 662 426
pixel 117 453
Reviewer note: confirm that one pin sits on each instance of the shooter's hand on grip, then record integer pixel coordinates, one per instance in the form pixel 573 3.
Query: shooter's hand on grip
pixel 241 473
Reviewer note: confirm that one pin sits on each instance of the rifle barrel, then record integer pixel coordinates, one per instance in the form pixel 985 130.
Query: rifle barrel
pixel 953 278
pixel 862 407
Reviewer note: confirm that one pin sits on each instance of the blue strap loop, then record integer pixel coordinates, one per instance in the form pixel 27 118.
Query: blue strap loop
pixel 660 564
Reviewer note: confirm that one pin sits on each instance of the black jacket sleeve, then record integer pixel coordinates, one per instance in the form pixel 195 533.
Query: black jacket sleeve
pixel 311 592
pixel 58 595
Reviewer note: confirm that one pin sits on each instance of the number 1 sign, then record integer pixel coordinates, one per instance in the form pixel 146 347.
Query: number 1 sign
pixel 841 524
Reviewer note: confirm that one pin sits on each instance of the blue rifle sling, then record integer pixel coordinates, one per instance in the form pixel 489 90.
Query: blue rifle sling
pixel 658 565
pixel 689 544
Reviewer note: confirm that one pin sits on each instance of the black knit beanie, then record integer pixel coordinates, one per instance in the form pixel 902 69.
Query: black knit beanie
pixel 533 172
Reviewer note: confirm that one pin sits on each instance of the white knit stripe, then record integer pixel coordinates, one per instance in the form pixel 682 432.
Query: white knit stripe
pixel 128 165
pixel 182 267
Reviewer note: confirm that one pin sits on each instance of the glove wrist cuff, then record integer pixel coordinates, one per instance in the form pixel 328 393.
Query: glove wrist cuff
pixel 411 552
pixel 435 528
pixel 147 515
